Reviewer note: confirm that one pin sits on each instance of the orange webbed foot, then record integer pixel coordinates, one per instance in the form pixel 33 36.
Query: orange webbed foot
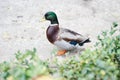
pixel 61 52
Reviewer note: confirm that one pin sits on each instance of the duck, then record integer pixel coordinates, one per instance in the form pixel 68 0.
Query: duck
pixel 65 39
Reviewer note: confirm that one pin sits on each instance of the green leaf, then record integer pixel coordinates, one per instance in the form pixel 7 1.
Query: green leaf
pixel 113 31
pixel 115 24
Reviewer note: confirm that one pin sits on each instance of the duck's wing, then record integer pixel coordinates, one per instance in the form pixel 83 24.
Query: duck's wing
pixel 69 35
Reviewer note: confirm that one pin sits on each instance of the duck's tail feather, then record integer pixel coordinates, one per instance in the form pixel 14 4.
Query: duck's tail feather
pixel 86 41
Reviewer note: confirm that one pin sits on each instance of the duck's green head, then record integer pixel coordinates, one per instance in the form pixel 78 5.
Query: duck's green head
pixel 52 17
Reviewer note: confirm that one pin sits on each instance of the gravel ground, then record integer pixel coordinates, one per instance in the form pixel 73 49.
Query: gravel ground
pixel 20 28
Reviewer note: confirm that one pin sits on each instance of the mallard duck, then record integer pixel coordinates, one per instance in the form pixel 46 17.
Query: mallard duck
pixel 64 39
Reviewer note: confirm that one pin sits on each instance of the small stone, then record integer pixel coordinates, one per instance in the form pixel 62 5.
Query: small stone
pixel 22 37
pixel 24 30
pixel 19 16
pixel 31 38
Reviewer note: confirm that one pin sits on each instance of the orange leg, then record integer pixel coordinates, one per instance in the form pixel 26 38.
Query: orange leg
pixel 61 52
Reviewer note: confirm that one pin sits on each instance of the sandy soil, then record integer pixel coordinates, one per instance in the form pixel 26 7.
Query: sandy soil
pixel 20 28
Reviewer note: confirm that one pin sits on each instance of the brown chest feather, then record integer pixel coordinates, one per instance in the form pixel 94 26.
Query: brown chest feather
pixel 52 32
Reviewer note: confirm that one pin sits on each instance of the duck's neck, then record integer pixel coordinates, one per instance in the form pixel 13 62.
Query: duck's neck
pixel 53 25
pixel 54 21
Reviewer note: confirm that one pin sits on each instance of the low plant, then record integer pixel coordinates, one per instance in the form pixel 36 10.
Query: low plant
pixel 102 63
pixel 25 67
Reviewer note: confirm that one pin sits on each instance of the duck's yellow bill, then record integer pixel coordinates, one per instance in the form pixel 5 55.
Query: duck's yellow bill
pixel 43 19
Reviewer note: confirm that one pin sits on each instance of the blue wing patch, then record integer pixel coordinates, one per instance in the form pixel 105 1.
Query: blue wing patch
pixel 73 42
